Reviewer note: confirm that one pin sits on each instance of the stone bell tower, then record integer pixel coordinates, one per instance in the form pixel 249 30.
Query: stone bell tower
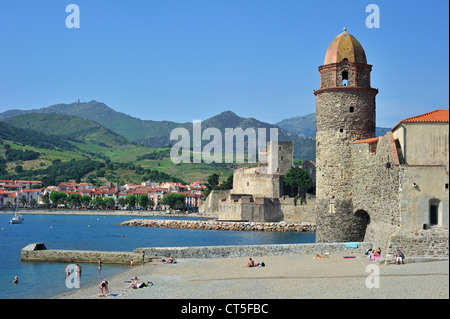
pixel 345 112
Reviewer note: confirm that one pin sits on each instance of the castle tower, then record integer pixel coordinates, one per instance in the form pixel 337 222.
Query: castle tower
pixel 345 112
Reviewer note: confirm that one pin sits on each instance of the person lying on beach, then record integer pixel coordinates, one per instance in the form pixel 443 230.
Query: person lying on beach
pixel 134 284
pixel 145 284
pixel 252 263
pixel 171 260
pixel 325 255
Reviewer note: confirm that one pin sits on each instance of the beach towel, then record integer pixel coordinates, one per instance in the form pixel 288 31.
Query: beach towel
pixel 351 245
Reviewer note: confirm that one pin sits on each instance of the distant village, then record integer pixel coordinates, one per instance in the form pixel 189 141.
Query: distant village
pixel 30 194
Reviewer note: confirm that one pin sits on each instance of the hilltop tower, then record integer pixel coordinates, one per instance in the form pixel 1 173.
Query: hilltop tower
pixel 345 112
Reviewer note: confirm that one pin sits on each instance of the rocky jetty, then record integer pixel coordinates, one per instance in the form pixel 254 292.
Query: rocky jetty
pixel 223 225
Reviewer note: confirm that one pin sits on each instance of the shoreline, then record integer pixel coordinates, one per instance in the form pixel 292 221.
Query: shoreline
pixel 284 277
pixel 101 212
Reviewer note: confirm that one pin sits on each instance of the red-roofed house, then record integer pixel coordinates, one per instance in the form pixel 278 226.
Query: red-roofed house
pixel 193 201
pixel 30 194
pixel 424 139
pixel 7 197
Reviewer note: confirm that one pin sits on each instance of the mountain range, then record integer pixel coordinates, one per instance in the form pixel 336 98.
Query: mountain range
pixel 97 123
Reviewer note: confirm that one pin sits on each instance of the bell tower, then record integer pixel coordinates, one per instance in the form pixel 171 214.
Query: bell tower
pixel 345 112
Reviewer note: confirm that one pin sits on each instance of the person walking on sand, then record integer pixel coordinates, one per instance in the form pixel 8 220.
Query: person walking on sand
pixel 143 257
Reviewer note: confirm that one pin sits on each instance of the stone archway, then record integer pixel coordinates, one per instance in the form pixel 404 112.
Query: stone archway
pixel 362 219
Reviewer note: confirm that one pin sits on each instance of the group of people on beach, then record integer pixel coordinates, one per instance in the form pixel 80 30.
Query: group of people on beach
pixel 103 287
pixel 399 257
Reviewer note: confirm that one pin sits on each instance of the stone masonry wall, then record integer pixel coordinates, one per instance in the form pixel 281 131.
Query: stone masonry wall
pixel 254 250
pixel 375 180
pixel 421 243
pixel 211 205
pixel 300 211
pixel 82 256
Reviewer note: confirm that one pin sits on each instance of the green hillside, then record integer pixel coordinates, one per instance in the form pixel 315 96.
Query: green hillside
pixel 68 127
pixel 125 125
pixel 33 138
pixel 32 155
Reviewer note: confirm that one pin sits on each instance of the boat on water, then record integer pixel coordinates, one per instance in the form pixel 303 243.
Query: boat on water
pixel 16 219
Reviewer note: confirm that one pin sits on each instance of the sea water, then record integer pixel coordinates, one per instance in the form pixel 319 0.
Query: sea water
pixel 92 232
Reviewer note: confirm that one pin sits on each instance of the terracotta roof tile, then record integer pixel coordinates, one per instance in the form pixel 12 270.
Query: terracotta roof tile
pixel 368 140
pixel 436 116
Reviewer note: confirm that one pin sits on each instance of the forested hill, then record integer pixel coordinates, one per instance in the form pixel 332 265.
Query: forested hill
pixel 33 138
pixel 68 127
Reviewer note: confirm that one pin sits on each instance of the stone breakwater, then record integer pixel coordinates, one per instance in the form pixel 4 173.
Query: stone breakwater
pixel 223 225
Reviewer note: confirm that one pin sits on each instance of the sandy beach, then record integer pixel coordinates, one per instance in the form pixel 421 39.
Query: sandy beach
pixel 283 277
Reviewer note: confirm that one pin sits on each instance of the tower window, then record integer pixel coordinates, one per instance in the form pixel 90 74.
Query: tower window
pixel 344 78
pixel 352 109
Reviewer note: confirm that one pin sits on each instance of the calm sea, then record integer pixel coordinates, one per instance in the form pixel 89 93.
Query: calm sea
pixel 45 280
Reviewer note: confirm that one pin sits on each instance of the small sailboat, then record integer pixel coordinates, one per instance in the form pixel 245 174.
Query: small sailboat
pixel 16 219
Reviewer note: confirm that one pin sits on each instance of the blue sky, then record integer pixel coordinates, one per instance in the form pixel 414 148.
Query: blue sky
pixel 182 60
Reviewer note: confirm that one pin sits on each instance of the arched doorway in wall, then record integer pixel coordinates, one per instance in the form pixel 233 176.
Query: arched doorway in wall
pixel 362 219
